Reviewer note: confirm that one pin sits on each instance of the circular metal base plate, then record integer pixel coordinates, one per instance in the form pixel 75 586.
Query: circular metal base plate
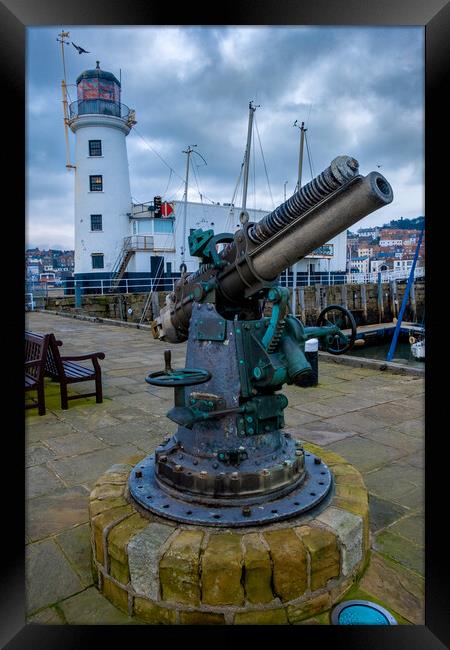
pixel 149 494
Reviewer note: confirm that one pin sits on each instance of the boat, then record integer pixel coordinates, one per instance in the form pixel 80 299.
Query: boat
pixel 417 343
pixel 418 349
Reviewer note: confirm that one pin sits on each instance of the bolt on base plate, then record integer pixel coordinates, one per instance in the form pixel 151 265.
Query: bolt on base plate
pixel 148 493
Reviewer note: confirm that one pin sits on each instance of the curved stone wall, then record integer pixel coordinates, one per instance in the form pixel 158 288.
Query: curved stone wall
pixel 164 572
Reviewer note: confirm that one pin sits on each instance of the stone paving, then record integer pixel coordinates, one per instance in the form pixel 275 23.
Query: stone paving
pixel 375 420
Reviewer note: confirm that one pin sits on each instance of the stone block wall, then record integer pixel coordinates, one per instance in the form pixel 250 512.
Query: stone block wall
pixel 164 572
pixel 361 300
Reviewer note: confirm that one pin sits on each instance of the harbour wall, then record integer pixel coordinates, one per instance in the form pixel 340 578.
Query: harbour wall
pixel 369 303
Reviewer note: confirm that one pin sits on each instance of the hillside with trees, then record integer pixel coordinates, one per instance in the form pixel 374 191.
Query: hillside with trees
pixel 405 224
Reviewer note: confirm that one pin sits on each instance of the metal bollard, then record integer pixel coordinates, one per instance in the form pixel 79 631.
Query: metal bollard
pixel 312 355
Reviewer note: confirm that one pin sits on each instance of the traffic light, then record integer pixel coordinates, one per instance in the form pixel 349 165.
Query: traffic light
pixel 157 204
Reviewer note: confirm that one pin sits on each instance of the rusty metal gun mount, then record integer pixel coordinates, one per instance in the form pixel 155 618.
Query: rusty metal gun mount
pixel 229 462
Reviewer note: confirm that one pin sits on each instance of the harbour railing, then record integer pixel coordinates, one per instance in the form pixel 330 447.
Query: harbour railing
pixel 146 284
pixel 330 278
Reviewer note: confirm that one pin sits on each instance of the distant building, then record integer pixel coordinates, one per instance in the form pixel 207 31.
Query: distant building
pixel 378 265
pixel 373 233
pixel 402 265
pixel 359 264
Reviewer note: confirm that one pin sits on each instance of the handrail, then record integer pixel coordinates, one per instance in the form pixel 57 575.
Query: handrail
pixel 98 107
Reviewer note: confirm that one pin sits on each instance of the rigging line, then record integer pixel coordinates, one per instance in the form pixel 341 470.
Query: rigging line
pixel 265 167
pixel 309 158
pixel 254 173
pixel 230 216
pixel 156 153
pixel 168 183
pixel 173 197
pixel 198 190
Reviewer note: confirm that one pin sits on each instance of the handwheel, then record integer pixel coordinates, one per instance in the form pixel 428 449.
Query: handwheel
pixel 170 377
pixel 337 316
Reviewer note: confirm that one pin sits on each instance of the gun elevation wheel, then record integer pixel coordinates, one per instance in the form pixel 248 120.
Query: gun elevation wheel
pixel 337 316
pixel 170 377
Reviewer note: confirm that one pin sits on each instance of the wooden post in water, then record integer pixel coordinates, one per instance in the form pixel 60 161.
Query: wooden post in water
pixel 413 302
pixel 318 301
pixel 344 296
pixel 364 301
pixel 380 300
pixel 301 300
pixel 155 304
pixel 393 296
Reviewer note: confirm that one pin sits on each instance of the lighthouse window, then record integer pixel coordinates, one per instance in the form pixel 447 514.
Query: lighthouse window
pixel 163 225
pixel 96 183
pixel 96 222
pixel 97 260
pixel 95 147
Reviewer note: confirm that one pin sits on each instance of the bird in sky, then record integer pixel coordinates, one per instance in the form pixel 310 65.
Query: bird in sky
pixel 80 49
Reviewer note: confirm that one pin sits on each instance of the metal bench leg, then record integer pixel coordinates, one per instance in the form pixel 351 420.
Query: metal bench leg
pixel 41 398
pixel 64 400
pixel 98 389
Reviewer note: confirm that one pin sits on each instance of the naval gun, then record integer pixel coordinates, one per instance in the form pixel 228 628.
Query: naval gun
pixel 230 463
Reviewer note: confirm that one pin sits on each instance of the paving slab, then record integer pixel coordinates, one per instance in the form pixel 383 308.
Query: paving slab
pixel 325 436
pixel 390 413
pixel 89 466
pixel 401 550
pixel 55 512
pixel 40 480
pixel 414 427
pixel 51 427
pixel 49 577
pixel 395 438
pixel 90 608
pixel 73 444
pixel 36 454
pixel 402 589
pixel 354 421
pixel 365 454
pixel 75 543
pixel 412 527
pixel 48 616
pixel 383 513
pixel 393 481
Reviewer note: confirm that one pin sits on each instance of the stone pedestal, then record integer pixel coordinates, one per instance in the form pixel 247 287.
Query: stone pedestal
pixel 164 572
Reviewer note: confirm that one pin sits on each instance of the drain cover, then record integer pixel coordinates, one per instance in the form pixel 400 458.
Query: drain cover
pixel 361 612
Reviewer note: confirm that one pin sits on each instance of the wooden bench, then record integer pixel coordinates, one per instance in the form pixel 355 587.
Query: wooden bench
pixel 66 370
pixel 36 348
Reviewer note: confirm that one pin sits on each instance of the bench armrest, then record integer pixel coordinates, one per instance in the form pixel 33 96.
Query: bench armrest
pixel 84 357
pixel 35 362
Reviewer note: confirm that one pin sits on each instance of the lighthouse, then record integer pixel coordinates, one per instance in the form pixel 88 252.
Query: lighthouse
pixel 103 203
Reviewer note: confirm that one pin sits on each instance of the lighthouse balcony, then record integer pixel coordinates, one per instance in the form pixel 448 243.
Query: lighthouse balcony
pixel 99 107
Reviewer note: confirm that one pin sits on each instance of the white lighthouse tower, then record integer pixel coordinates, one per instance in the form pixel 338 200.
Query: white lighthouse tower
pixel 103 202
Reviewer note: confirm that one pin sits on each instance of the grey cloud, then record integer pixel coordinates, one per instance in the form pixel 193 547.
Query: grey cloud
pixel 359 90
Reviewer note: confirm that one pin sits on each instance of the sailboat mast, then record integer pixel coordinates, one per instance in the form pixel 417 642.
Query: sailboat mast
pixel 251 110
pixel 299 184
pixel 300 156
pixel 63 35
pixel 188 151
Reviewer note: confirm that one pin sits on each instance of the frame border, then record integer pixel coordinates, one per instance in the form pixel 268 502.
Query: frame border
pixel 15 17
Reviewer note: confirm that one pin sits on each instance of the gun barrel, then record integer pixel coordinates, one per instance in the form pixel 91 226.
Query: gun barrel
pixel 291 241
pixel 325 207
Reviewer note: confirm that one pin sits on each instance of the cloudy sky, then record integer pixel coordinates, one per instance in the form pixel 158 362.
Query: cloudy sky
pixel 359 90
